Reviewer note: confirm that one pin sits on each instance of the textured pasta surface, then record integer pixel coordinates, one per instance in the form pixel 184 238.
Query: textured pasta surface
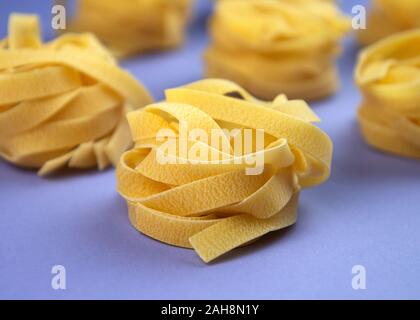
pixel 388 75
pixel 62 103
pixel 216 206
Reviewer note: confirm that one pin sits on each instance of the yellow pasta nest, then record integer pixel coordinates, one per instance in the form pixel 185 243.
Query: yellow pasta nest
pixel 388 74
pixel 132 26
pixel 216 206
pixel 271 47
pixel 388 17
pixel 62 103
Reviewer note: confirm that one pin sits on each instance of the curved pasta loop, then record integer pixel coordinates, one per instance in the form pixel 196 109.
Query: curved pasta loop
pixel 215 205
pixel 130 27
pixel 62 103
pixel 272 47
pixel 388 75
pixel 388 17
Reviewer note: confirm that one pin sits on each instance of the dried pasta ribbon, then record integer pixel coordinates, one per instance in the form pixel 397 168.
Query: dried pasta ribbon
pixel 62 103
pixel 132 26
pixel 388 17
pixel 271 46
pixel 216 207
pixel 388 75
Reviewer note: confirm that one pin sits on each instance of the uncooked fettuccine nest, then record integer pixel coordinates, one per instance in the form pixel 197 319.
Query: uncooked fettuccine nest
pixel 271 47
pixel 211 206
pixel 62 103
pixel 132 26
pixel 388 75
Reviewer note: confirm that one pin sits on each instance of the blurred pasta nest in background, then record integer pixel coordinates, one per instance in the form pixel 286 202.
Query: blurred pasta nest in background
pixel 272 46
pixel 390 16
pixel 132 26
pixel 388 74
pixel 62 103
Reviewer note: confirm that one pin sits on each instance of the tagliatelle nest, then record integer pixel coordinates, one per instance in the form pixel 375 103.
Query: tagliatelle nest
pixel 132 26
pixel 215 206
pixel 271 46
pixel 388 75
pixel 62 103
pixel 388 17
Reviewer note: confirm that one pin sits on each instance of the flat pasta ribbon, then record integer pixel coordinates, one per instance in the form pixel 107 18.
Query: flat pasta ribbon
pixel 271 46
pixel 388 75
pixel 62 103
pixel 210 206
pixel 132 26
pixel 388 17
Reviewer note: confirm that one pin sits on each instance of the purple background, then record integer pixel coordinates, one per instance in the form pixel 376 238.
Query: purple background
pixel 368 213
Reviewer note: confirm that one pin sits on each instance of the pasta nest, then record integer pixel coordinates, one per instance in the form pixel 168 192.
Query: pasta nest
pixel 388 75
pixel 62 103
pixel 215 206
pixel 134 26
pixel 271 47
